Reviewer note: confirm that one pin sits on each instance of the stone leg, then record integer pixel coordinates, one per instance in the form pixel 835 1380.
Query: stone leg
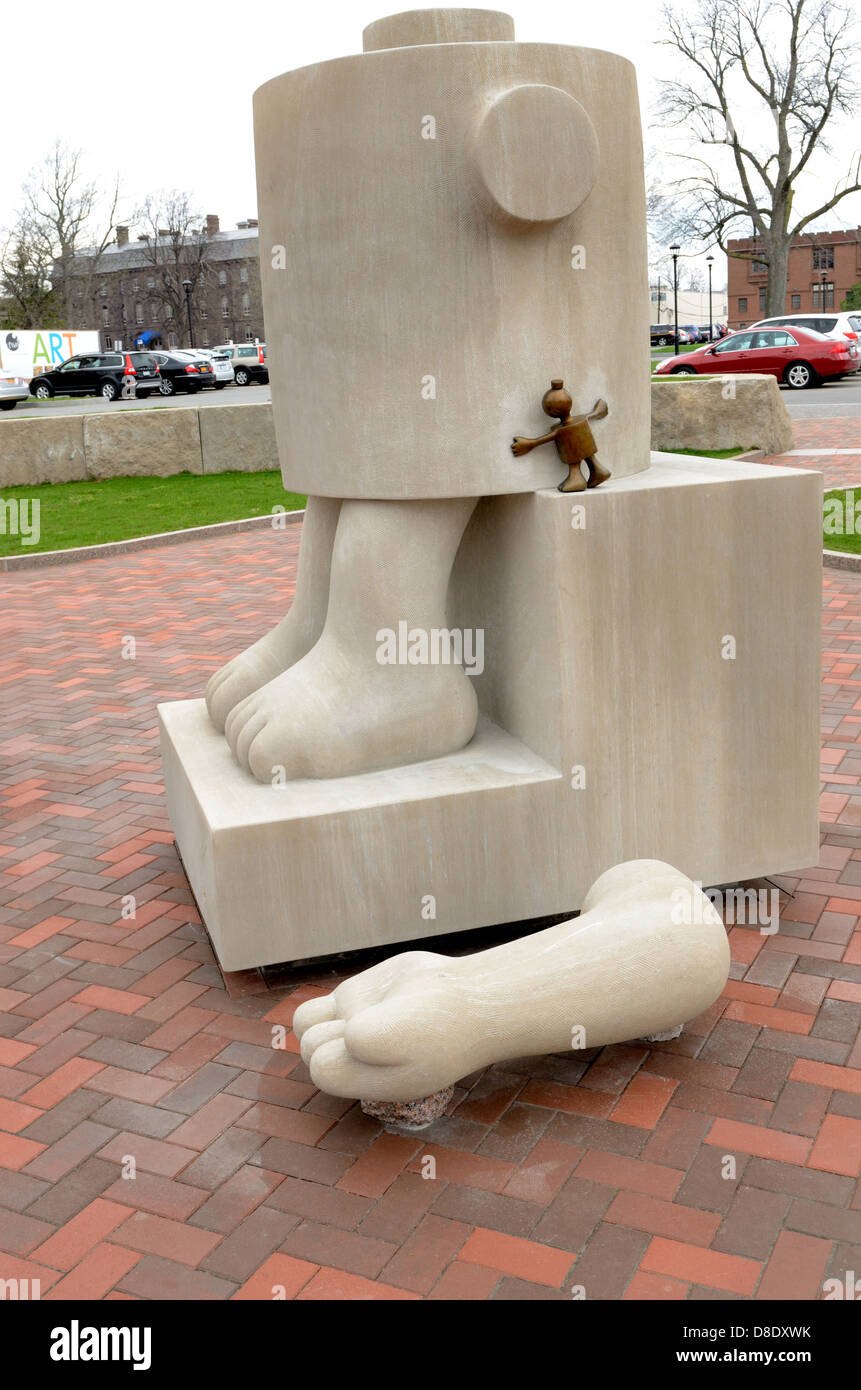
pixel 647 953
pixel 297 632
pixel 343 710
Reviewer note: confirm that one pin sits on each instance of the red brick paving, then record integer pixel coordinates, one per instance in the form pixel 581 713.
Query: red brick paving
pixel 122 1053
pixel 839 432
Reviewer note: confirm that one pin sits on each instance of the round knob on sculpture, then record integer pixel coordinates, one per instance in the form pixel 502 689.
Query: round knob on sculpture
pixel 535 155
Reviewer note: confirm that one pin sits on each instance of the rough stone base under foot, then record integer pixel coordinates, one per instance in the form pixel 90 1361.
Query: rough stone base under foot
pixel 410 1115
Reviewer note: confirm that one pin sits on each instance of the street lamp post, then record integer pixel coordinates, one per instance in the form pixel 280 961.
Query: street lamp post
pixel 709 260
pixel 186 285
pixel 824 281
pixel 674 251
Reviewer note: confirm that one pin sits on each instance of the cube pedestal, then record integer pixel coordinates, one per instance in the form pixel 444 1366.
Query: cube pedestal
pixel 650 690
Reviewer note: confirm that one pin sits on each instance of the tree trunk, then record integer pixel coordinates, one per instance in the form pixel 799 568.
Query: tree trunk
pixel 778 267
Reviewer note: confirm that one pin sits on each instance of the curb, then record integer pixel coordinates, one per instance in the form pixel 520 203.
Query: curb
pixel 44 558
pixel 841 560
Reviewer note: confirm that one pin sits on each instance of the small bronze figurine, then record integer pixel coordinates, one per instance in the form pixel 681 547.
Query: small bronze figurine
pixel 573 438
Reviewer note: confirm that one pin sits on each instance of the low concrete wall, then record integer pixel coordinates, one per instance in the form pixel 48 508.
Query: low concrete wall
pixel 137 443
pixel 42 451
pixel 238 437
pixel 142 443
pixel 719 412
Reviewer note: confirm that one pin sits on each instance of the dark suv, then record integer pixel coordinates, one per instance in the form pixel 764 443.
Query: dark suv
pixel 105 374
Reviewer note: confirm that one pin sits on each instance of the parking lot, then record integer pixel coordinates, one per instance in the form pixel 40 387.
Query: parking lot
pixel 92 405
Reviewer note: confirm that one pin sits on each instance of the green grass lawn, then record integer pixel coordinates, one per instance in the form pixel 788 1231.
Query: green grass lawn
pixel 115 509
pixel 710 453
pixel 847 516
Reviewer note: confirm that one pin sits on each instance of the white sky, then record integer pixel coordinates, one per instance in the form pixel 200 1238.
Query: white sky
pixel 162 92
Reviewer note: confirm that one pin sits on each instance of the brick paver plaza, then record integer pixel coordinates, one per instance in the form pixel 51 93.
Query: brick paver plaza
pixel 118 1039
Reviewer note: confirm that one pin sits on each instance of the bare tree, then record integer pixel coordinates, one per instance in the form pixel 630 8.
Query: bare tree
pixel 25 283
pixel 174 237
pixel 58 223
pixel 789 60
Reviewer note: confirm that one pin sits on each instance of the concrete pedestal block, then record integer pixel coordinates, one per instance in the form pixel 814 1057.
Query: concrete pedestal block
pixel 650 691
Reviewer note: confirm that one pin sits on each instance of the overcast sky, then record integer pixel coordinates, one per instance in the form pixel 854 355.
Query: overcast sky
pixel 162 92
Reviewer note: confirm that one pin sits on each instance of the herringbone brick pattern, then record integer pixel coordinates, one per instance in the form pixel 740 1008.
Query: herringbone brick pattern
pixel 840 432
pixel 722 1165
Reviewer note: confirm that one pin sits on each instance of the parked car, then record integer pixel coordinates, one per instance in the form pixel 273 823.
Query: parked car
pixel 798 357
pixel 663 335
pixel 222 367
pixel 248 361
pixel 182 371
pixel 833 325
pixel 718 330
pixel 105 374
pixel 695 335
pixel 12 390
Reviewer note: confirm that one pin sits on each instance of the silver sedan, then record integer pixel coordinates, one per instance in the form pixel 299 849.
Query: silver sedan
pixel 12 390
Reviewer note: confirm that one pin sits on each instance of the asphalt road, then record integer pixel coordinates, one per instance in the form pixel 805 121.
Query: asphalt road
pixel 836 398
pixel 91 405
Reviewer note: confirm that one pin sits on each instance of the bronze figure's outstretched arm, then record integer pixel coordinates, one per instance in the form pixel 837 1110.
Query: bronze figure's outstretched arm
pixel 522 445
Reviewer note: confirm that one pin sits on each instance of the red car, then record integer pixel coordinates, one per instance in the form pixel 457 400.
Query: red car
pixel 797 356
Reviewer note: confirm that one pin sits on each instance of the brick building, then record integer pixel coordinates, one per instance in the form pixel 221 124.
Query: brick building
pixel 123 300
pixel 823 267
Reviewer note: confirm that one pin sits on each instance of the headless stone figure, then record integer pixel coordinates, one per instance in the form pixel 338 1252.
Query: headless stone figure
pixel 425 295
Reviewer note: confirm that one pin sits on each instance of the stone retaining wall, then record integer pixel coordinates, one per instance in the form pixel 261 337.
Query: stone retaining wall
pixel 137 443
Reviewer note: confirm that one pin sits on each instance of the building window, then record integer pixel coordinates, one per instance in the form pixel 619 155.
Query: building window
pixel 123 312
pixel 249 335
pixel 225 308
pixel 742 305
pixel 762 299
pixel 222 277
pixel 106 318
pixel 795 301
pixel 150 284
pixel 139 317
pixel 759 268
pixel 742 325
pixel 243 276
pixel 246 306
pixel 206 340
pixel 823 296
pixel 135 286
pixel 823 258
pixel 122 287
pixel 173 340
pixel 203 313
pixel 168 311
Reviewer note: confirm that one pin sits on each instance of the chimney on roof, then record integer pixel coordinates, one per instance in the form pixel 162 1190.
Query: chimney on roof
pixel 122 236
pixel 252 222
pixel 212 224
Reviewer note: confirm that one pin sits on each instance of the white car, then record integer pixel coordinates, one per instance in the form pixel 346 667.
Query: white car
pixel 833 323
pixel 222 366
pixel 12 390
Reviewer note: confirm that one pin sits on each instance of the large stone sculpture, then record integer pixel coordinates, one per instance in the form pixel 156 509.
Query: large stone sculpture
pixel 429 290
pixel 648 953
pixel 449 221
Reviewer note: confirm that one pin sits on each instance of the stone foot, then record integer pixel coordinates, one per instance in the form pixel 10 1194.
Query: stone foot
pixel 356 702
pixel 297 633
pixel 648 949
